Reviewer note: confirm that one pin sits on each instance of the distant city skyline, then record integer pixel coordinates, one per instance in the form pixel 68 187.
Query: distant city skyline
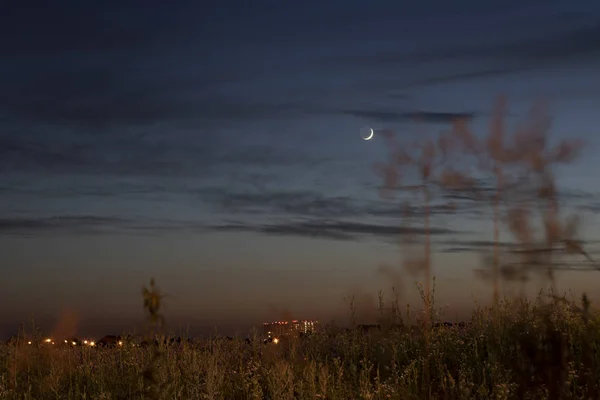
pixel 217 148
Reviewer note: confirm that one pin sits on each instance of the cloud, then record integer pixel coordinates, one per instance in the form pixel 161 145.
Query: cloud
pixel 296 213
pixel 328 229
pixel 139 154
pixel 470 246
pixel 479 198
pixel 479 246
pixel 439 117
pixel 268 156
pixel 453 208
pixel 309 203
pixel 105 155
pixel 421 116
pixel 578 43
pixel 73 224
pixel 560 47
pixel 292 202
pixel 477 243
pixel 460 250
pixel 462 76
pixel 253 209
pixel 89 225
pixel 376 115
pixel 332 217
pixel 287 230
pixel 96 98
pixel 593 207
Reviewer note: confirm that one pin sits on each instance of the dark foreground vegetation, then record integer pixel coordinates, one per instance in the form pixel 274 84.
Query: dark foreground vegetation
pixel 523 350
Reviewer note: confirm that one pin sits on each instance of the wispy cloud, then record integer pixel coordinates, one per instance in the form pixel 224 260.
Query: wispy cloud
pixel 268 156
pixel 439 117
pixel 292 202
pixel 593 207
pixel 462 76
pixel 470 246
pixel 295 212
pixel 539 50
pixel 84 224
pixel 179 154
pixel 536 49
pixel 421 116
pixel 99 225
pixel 332 229
pixel 100 100
pixel 287 230
pixel 309 203
pixel 92 225
pixel 333 217
pixel 481 246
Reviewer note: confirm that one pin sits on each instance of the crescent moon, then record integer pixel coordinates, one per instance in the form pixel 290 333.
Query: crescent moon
pixel 370 135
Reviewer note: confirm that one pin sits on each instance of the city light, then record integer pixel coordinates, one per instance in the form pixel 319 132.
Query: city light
pixel 285 328
pixel 72 342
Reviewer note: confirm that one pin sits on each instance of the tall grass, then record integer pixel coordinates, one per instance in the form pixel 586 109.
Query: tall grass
pixel 534 350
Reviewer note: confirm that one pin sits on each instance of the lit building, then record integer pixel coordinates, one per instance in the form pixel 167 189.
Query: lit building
pixel 289 328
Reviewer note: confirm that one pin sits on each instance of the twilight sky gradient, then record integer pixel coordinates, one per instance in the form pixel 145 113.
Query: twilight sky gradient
pixel 215 146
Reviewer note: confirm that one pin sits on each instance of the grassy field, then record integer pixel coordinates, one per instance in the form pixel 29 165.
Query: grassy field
pixel 544 349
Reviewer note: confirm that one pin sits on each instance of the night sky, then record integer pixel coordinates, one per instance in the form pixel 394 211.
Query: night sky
pixel 215 146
